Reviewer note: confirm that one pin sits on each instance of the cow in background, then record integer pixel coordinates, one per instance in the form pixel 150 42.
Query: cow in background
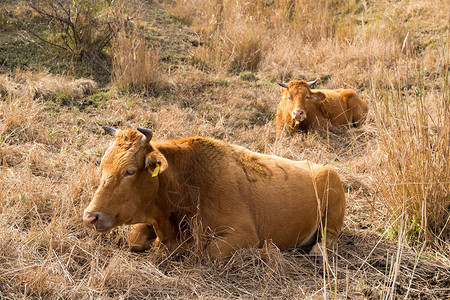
pixel 303 108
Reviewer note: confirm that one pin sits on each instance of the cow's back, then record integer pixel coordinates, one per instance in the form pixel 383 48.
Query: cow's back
pixel 279 196
pixel 343 106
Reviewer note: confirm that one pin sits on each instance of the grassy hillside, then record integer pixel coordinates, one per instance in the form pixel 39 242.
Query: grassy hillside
pixel 211 68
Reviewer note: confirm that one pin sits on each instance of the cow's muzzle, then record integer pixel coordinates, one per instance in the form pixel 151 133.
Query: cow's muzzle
pixel 298 115
pixel 98 220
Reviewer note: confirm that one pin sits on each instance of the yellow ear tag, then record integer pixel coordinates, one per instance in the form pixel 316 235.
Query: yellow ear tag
pixel 155 171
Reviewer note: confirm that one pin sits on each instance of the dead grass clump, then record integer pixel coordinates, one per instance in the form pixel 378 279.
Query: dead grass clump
pixel 20 120
pixel 42 84
pixel 7 86
pixel 234 37
pixel 33 85
pixel 246 47
pixel 136 67
pixel 81 87
pixel 239 49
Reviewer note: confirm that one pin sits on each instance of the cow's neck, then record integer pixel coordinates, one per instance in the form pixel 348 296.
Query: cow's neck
pixel 193 163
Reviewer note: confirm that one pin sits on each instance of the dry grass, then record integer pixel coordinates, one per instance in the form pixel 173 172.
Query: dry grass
pixel 415 174
pixel 135 65
pixel 32 85
pixel 394 169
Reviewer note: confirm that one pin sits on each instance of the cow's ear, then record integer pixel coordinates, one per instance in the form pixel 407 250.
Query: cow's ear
pixel 155 163
pixel 284 92
pixel 318 96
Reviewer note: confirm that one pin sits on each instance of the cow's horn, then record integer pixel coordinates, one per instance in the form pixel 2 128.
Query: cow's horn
pixel 283 84
pixel 110 130
pixel 148 133
pixel 311 83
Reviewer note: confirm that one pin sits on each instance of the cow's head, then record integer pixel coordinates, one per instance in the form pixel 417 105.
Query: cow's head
pixel 130 171
pixel 298 96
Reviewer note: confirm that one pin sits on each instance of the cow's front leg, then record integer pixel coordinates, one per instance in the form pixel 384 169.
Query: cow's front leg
pixel 224 245
pixel 142 237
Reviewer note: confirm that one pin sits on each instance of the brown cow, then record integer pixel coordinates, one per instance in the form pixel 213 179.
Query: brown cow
pixel 243 197
pixel 303 108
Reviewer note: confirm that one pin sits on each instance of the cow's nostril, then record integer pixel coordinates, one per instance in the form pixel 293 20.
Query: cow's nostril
pixel 90 218
pixel 98 220
pixel 298 114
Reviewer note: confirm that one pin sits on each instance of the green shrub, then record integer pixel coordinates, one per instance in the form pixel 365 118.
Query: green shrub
pixel 80 27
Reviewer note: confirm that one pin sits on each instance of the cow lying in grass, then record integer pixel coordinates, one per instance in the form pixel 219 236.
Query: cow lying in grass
pixel 243 197
pixel 302 108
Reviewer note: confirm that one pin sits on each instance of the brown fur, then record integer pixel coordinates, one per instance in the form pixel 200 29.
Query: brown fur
pixel 323 108
pixel 244 197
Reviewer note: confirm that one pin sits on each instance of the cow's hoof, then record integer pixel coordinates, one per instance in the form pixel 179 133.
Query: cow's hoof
pixel 141 237
pixel 317 251
pixel 318 260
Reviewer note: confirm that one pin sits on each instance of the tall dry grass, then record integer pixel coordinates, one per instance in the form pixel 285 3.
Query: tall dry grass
pixel 136 67
pixel 234 36
pixel 279 37
pixel 351 42
pixel 414 176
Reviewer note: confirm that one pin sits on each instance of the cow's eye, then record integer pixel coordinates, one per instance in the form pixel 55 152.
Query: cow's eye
pixel 130 172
